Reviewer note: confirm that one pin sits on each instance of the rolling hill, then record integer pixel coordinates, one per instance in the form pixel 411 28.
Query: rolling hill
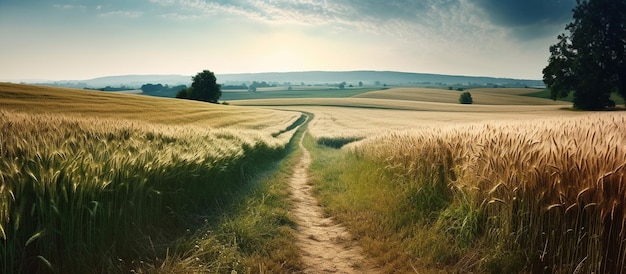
pixel 306 77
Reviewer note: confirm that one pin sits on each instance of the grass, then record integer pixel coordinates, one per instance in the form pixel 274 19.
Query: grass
pixel 545 93
pixel 91 181
pixel 345 124
pixel 482 96
pixel 252 232
pixel 367 199
pixel 544 195
pixel 296 92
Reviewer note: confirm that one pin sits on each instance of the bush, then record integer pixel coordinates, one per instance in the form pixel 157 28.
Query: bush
pixel 466 98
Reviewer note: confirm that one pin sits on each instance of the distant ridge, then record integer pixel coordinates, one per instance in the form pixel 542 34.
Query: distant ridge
pixel 368 77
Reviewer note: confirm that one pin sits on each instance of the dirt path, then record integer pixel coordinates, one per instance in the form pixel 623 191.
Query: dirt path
pixel 327 246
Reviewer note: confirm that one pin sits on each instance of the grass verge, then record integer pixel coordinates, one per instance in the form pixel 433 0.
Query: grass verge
pixel 379 210
pixel 251 231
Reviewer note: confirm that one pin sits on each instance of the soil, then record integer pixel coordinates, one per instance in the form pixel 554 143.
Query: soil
pixel 327 247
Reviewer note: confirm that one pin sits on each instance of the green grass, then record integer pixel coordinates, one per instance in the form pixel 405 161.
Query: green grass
pixel 297 92
pixel 251 232
pixel 379 208
pixel 570 98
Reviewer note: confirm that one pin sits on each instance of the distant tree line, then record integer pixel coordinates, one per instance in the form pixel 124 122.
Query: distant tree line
pixel 231 87
pixel 159 88
pixel 110 88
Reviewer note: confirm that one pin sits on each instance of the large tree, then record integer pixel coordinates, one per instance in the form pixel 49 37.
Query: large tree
pixel 590 61
pixel 204 88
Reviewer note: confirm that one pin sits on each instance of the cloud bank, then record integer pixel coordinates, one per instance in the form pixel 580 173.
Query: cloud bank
pixel 524 19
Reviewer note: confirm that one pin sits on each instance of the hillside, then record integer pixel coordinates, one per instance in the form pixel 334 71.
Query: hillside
pixel 96 104
pixel 297 78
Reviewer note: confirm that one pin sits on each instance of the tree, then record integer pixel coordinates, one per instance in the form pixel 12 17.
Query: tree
pixel 466 98
pixel 342 85
pixel 360 83
pixel 150 88
pixel 205 87
pixel 184 93
pixel 590 61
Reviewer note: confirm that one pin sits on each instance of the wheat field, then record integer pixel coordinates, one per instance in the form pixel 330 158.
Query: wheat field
pixel 548 193
pixel 83 173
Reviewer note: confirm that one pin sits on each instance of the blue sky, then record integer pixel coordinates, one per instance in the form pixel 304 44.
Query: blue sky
pixel 83 39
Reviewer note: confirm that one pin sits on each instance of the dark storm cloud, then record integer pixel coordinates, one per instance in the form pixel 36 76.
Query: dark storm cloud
pixel 524 13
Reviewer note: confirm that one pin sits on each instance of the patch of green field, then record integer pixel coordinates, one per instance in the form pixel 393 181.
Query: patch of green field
pixel 545 93
pixel 479 96
pixel 296 92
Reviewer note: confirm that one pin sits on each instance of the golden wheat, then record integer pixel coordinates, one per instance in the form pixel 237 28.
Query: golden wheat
pixel 82 173
pixel 553 189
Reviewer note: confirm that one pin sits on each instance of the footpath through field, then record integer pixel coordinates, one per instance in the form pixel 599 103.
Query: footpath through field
pixel 327 247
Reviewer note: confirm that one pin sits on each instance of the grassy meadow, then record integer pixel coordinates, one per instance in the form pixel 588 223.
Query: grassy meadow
pixel 295 92
pixel 94 182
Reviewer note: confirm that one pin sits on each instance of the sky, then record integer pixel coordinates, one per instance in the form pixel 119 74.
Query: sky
pixel 84 39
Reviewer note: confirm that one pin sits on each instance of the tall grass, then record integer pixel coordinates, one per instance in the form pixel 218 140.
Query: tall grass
pixel 538 196
pixel 253 232
pixel 75 192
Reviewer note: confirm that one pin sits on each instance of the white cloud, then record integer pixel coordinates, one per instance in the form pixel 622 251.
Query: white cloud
pixel 122 13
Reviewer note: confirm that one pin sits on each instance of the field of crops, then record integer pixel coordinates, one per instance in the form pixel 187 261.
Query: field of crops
pixel 294 92
pixel 508 184
pixel 550 189
pixel 482 96
pixel 341 120
pixel 502 194
pixel 83 174
pixel 524 186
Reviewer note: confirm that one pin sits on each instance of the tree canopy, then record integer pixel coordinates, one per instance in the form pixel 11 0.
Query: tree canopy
pixel 590 60
pixel 466 98
pixel 204 88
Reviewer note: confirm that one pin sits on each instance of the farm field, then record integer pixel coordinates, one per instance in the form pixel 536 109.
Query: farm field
pixel 99 182
pixel 295 92
pixel 497 188
pixel 481 96
pixel 423 183
pixel 366 114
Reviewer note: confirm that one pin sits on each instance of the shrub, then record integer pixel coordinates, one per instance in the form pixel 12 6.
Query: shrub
pixel 466 98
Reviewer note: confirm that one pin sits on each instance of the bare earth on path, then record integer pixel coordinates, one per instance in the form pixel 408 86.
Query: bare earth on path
pixel 327 247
